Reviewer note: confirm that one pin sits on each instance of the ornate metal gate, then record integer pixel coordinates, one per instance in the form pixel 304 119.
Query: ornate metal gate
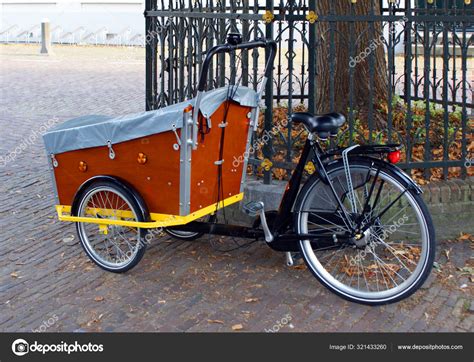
pixel 428 48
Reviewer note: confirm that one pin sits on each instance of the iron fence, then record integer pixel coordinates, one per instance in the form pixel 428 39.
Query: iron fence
pixel 428 70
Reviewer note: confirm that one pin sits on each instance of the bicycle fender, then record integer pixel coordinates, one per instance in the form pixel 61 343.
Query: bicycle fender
pixel 117 181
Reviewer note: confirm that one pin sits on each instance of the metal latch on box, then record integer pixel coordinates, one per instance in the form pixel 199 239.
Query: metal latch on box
pixel 111 150
pixel 208 121
pixel 178 140
pixel 54 161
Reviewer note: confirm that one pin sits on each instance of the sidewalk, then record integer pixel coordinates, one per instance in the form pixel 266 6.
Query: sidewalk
pixel 47 283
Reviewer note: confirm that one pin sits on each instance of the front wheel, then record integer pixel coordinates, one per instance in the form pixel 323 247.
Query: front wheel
pixel 114 248
pixel 392 247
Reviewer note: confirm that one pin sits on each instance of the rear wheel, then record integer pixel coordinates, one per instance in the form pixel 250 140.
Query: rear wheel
pixel 183 235
pixel 189 235
pixel 392 253
pixel 114 248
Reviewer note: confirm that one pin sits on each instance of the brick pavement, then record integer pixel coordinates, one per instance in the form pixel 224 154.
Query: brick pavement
pixel 47 282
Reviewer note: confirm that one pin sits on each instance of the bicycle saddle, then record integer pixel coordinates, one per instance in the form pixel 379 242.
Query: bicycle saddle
pixel 325 125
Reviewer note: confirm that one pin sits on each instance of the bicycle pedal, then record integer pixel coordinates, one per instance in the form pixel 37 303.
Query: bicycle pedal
pixel 253 208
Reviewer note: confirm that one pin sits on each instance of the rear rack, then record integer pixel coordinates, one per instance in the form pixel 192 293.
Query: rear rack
pixel 364 150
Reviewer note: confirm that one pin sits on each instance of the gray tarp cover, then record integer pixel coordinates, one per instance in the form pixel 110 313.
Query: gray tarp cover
pixel 95 130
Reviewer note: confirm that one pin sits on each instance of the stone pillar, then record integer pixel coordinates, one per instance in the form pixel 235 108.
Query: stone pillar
pixel 45 37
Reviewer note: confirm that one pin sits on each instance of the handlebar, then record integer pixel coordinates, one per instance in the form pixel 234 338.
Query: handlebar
pixel 227 48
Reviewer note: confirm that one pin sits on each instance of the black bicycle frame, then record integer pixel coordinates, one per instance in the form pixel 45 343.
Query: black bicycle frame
pixel 281 224
pixel 287 241
pixel 284 216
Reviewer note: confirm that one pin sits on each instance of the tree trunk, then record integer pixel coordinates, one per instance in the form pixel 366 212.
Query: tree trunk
pixel 342 60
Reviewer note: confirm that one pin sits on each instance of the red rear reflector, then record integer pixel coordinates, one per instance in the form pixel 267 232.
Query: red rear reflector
pixel 394 156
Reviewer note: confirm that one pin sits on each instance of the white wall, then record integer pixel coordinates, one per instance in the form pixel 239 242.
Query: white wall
pixel 102 21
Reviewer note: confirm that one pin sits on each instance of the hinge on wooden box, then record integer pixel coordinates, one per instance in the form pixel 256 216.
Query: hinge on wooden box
pixel 54 161
pixel 222 124
pixel 111 150
pixel 219 162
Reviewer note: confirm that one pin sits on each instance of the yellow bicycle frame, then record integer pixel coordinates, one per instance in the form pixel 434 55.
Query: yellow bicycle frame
pixel 158 220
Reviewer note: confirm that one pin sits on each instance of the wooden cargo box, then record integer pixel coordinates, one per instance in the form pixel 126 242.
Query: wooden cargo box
pixel 154 152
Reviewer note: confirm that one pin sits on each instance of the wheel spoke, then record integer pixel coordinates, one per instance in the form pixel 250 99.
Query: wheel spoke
pixel 393 251
pixel 330 222
pixel 386 267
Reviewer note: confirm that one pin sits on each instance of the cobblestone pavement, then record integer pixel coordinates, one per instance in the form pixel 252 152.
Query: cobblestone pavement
pixel 47 282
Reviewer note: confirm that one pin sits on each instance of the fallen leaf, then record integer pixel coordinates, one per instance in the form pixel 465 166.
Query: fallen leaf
pixel 68 239
pixel 447 253
pixel 299 267
pixel 465 236
pixel 251 300
pixel 237 327
pixel 400 252
pixel 14 275
pixel 467 270
pixel 216 321
pixel 99 299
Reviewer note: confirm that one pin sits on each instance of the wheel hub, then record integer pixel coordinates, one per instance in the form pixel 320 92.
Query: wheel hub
pixel 361 240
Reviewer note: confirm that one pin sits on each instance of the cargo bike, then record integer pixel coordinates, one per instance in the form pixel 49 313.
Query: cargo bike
pixel 358 221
